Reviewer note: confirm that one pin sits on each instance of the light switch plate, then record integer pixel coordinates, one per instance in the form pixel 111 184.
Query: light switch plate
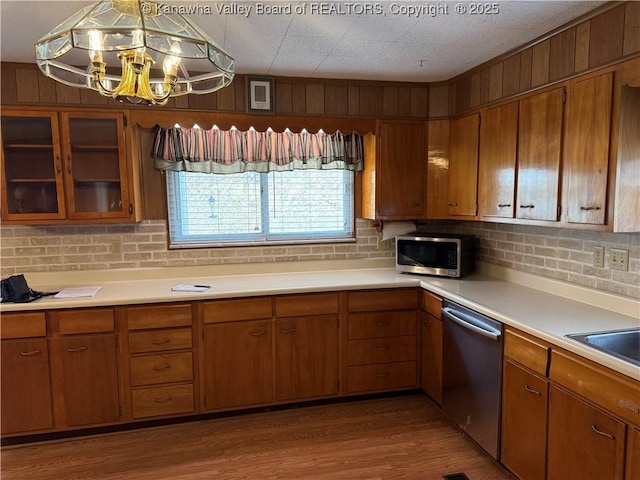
pixel 619 259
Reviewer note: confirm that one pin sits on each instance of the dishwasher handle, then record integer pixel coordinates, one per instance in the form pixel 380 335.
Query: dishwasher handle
pixel 471 323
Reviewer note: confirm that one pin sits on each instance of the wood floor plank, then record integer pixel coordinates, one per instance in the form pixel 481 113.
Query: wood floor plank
pixel 395 438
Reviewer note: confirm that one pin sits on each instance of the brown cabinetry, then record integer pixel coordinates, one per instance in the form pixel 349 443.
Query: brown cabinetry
pixel 463 166
pixel 497 164
pixel 84 367
pixel 381 340
pixel 431 361
pixel 306 346
pixel 66 167
pixel 584 441
pixel 394 176
pixel 539 153
pixel 26 390
pixel 237 353
pixel 160 360
pixel 586 154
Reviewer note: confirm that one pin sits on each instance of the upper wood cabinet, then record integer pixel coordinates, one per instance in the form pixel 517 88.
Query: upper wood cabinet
pixel 586 154
pixel 394 176
pixel 497 167
pixel 63 167
pixel 539 153
pixel 463 166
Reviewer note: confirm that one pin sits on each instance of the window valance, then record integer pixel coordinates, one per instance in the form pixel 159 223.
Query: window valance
pixel 232 151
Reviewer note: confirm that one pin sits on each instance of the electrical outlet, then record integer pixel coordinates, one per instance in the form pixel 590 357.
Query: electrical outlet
pixel 598 256
pixel 619 259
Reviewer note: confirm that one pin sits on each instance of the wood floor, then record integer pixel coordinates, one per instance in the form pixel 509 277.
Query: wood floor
pixel 403 437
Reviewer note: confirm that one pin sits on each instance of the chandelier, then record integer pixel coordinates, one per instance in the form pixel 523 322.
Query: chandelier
pixel 134 50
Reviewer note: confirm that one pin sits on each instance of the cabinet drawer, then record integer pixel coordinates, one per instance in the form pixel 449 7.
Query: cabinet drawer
pixel 381 350
pixel 237 310
pixel 527 351
pixel 152 402
pixel 385 376
pixel 159 340
pixel 604 387
pixel 168 368
pixel 22 325
pixel 308 304
pixel 93 320
pixel 377 300
pixel 432 304
pixel 159 316
pixel 382 324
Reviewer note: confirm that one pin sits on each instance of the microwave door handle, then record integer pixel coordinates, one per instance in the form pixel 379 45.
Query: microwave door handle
pixel 464 321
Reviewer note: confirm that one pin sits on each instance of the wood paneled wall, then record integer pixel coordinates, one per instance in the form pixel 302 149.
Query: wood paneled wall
pixel 605 38
pixel 25 84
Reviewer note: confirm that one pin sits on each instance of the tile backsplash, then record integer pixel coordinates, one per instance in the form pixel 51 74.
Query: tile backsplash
pixel 558 253
pixel 96 247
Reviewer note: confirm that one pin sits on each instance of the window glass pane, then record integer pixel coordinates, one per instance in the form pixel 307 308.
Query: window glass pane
pixel 260 207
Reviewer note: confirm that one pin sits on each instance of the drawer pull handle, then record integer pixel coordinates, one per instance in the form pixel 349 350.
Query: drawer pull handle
pixel 588 209
pixel 453 204
pixel 383 348
pixel 32 352
pixel 383 323
pixel 258 334
pixel 165 399
pixel 160 341
pixel 504 205
pixel 162 368
pixel 531 390
pixel 382 374
pixel 600 432
pixel 78 349
pixel 527 206
pixel 286 332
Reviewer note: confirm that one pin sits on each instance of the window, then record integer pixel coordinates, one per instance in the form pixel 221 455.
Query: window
pixel 260 208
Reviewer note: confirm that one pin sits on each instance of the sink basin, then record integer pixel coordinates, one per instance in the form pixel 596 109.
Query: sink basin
pixel 623 344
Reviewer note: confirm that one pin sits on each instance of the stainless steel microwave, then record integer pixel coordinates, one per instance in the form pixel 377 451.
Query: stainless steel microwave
pixel 444 255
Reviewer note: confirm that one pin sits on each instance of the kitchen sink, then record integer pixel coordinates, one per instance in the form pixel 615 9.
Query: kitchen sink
pixel 623 344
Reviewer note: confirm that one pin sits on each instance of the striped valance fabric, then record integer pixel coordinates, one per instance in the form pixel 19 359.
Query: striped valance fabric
pixel 233 151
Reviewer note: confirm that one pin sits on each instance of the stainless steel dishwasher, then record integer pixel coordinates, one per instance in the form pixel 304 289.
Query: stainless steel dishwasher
pixel 472 374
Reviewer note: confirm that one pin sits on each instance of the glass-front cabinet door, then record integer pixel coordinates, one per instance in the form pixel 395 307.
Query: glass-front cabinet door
pixel 95 165
pixel 31 167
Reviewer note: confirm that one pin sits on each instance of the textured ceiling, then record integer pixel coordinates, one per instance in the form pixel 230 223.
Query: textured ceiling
pixel 400 41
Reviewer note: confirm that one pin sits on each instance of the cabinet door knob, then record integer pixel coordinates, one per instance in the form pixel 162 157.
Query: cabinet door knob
pixel 78 349
pixel 589 208
pixel 453 204
pixel 162 368
pixel 504 205
pixel 165 399
pixel 160 341
pixel 258 334
pixel 600 432
pixel 531 390
pixel 527 206
pixel 32 352
pixel 286 332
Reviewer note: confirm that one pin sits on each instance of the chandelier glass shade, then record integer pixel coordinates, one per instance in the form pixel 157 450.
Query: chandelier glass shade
pixel 135 51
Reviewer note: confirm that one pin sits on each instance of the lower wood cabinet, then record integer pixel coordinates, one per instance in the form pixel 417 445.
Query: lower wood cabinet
pixel 86 378
pixel 633 453
pixel 26 390
pixel 584 441
pixel 238 364
pixel 524 422
pixel 431 354
pixel 306 357
pixel 160 360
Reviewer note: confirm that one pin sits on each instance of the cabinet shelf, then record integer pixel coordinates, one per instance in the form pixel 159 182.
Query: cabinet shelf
pixel 27 146
pixel 97 180
pixel 31 180
pixel 94 147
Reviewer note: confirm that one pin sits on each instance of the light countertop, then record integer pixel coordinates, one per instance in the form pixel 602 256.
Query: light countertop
pixel 546 308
